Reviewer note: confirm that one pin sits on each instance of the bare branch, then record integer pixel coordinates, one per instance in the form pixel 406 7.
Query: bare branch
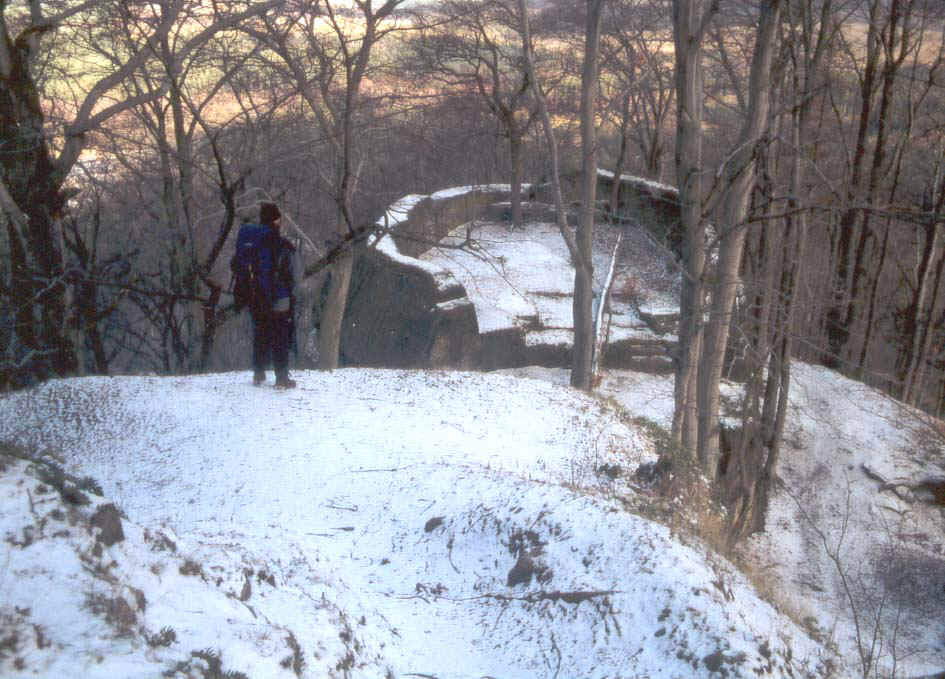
pixel 10 208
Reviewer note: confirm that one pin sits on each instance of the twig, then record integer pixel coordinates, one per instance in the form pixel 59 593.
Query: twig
pixel 867 656
pixel 572 597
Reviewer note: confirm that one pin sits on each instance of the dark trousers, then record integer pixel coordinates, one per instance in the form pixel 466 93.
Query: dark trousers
pixel 272 337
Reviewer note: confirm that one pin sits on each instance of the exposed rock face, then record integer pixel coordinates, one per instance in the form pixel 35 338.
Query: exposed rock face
pixel 455 334
pixel 399 317
pixel 504 349
pixel 402 315
pixel 651 203
pixel 432 217
pixel 642 200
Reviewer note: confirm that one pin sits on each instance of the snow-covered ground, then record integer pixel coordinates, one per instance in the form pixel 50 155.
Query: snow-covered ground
pixel 855 533
pixel 369 523
pixel 523 278
pixel 422 524
pixel 379 523
pixel 854 546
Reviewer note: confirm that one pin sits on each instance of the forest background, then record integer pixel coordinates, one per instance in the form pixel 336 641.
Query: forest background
pixel 134 137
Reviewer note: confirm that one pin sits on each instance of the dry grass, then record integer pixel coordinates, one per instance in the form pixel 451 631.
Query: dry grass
pixel 680 496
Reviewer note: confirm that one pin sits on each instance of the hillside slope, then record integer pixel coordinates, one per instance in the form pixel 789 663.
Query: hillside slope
pixel 370 523
pixel 854 544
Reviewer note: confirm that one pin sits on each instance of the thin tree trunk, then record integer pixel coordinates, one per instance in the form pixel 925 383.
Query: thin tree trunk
pixel 516 159
pixel 870 321
pixel 940 412
pixel 836 329
pixel 925 308
pixel 741 179
pixel 741 469
pixel 621 160
pixel 355 64
pixel 689 25
pixel 583 305
pixel 932 254
pixel 756 480
pixel 574 249
pixel 331 323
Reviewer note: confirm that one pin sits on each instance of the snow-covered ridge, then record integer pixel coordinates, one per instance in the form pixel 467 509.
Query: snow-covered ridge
pixel 400 213
pixel 640 181
pixel 369 524
pixel 400 210
pixel 88 592
pixel 521 280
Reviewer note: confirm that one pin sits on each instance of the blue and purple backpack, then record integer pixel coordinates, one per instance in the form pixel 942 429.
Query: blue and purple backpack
pixel 251 266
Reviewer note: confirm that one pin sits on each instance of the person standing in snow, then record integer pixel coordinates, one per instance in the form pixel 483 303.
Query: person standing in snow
pixel 272 299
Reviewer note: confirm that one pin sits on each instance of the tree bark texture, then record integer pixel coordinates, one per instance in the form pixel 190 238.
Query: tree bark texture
pixel 583 304
pixel 751 469
pixel 689 25
pixel 583 282
pixel 740 179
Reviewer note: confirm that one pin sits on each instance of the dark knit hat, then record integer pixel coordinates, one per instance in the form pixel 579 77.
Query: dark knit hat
pixel 268 213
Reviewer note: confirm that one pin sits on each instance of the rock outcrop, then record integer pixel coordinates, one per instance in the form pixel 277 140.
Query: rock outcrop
pixel 406 312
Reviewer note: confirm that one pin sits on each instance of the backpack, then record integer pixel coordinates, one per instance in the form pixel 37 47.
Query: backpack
pixel 247 267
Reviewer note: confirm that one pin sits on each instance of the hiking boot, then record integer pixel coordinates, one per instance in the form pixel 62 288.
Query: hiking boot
pixel 285 383
pixel 258 378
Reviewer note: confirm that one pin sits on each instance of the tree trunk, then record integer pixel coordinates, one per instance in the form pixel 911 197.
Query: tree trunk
pixel 922 310
pixel 837 332
pixel 869 322
pixel 762 458
pixel 621 159
pixel 750 474
pixel 583 301
pixel 689 21
pixel 210 324
pixel 353 66
pixel 516 160
pixel 583 282
pixel 37 284
pixel 889 41
pixel 33 184
pixel 332 319
pixel 741 179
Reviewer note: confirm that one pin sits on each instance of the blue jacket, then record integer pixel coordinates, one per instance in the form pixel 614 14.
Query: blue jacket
pixel 270 256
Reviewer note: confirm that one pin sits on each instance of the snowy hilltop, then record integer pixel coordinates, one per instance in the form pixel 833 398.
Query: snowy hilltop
pixel 372 523
pixel 451 524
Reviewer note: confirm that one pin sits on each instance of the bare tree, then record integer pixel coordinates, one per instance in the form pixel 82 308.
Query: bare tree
pixel 475 47
pixel 325 51
pixel 917 342
pixel 38 155
pixel 181 127
pixel 894 32
pixel 921 309
pixel 50 111
pixel 739 179
pixel 638 83
pixel 102 271
pixel 578 241
pixel 774 268
pixel 582 372
pixel 690 21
